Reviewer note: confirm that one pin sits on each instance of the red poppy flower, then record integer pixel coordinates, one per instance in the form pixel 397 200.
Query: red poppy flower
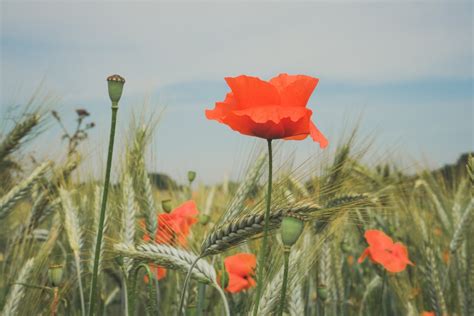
pixel 173 228
pixel 428 314
pixel 274 109
pixel 392 256
pixel 241 269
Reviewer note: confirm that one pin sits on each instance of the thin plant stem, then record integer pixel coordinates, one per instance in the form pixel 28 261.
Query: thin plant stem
pixel 201 298
pixel 185 285
pixel 79 280
pixel 224 299
pixel 263 253
pixel 93 291
pixel 286 257
pixel 384 277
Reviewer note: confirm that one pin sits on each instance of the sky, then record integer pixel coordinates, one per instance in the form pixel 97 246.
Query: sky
pixel 402 70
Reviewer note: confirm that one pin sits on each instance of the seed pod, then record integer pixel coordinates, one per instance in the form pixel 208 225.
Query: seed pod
pixel 204 219
pixel 55 274
pixel 191 176
pixel 291 228
pixel 323 293
pixel 166 205
pixel 345 247
pixel 115 83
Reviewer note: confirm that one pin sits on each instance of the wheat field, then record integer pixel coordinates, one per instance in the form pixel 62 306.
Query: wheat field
pixel 49 220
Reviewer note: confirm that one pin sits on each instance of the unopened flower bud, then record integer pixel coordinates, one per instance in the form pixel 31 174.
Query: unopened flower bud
pixel 323 293
pixel 345 247
pixel 204 219
pixel 166 205
pixel 55 274
pixel 291 228
pixel 191 176
pixel 115 83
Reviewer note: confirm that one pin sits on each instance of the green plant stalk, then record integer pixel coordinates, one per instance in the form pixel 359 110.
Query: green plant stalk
pixel 93 291
pixel 263 253
pixel 286 258
pixel 185 285
pixel 201 298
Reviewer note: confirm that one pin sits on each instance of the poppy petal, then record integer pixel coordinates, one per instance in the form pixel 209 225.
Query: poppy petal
pixel 317 136
pixel 377 238
pixel 363 255
pixel 294 90
pixel 237 283
pixel 273 114
pixel 251 91
pixel 242 264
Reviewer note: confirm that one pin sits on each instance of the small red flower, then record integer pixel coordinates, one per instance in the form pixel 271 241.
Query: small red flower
pixel 173 229
pixel 241 269
pixel 428 314
pixel 274 109
pixel 392 256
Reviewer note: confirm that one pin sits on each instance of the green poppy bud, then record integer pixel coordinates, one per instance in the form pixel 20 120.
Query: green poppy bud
pixel 204 219
pixel 291 228
pixel 55 274
pixel 166 205
pixel 323 293
pixel 115 83
pixel 345 247
pixel 191 175
pixel 224 279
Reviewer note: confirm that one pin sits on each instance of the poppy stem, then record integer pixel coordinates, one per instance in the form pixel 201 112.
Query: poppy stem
pixel 382 296
pixel 286 257
pixel 93 290
pixel 263 253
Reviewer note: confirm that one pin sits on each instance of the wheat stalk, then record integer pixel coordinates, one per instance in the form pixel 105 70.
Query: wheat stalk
pixel 20 131
pixel 20 190
pixel 74 234
pixel 295 303
pixel 17 291
pixel 169 257
pixel 231 234
pixel 271 299
pixel 462 227
pixel 435 290
pixel 129 211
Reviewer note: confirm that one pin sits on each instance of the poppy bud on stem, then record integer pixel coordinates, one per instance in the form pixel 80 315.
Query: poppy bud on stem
pixel 55 277
pixel 291 228
pixel 115 86
pixel 166 205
